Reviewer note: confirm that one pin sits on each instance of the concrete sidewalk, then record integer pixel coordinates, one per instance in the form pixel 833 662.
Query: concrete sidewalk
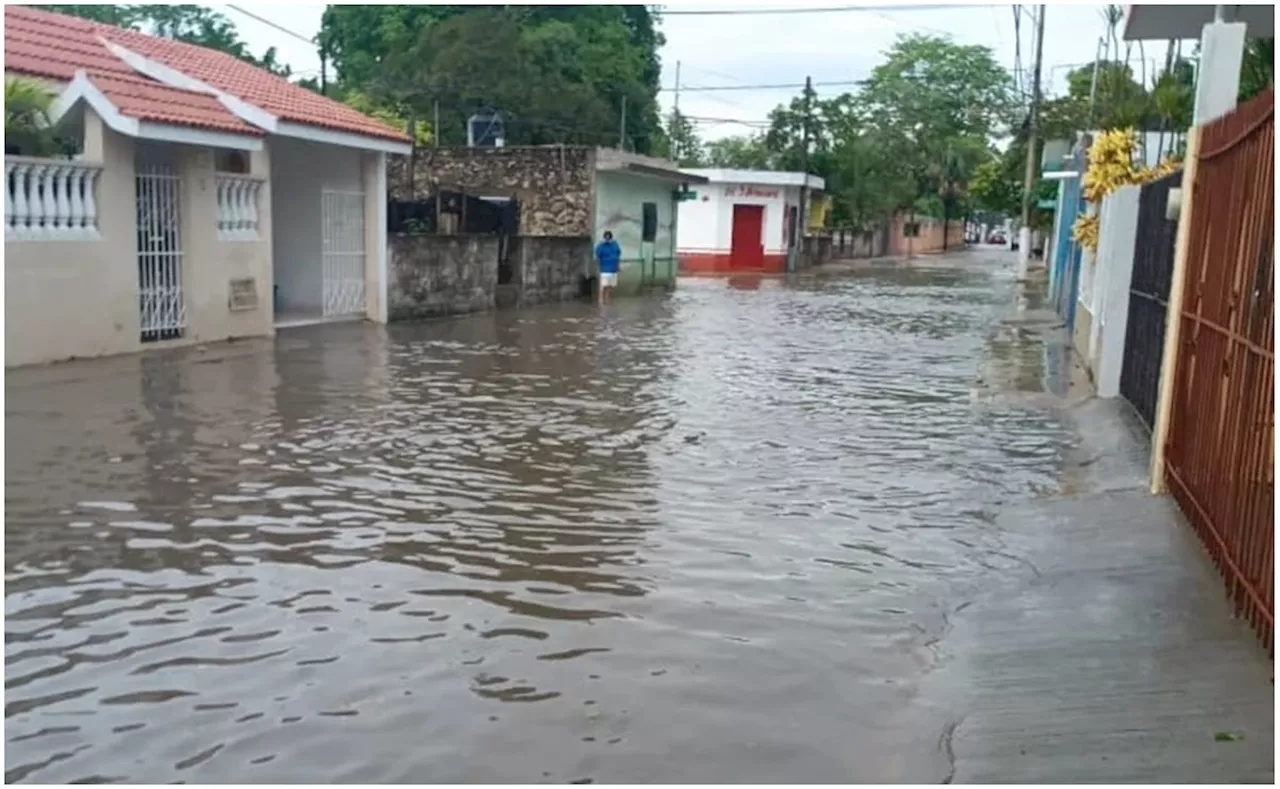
pixel 1112 654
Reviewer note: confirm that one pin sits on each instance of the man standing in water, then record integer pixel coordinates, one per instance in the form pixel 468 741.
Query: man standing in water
pixel 608 254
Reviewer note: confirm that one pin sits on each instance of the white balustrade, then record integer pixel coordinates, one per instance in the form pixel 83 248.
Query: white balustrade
pixel 50 199
pixel 238 207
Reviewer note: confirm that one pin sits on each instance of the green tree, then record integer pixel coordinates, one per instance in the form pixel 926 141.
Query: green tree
pixel 1258 67
pixel 192 24
pixel 739 153
pixel 557 73
pixel 680 142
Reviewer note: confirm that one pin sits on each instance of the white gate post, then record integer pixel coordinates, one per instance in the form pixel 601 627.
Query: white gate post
pixel 1116 246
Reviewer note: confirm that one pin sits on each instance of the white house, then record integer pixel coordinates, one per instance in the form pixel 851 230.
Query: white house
pixel 741 221
pixel 206 199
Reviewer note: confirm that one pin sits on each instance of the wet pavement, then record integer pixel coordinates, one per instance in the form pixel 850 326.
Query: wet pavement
pixel 717 536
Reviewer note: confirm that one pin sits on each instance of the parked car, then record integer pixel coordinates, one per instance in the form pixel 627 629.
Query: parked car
pixel 997 237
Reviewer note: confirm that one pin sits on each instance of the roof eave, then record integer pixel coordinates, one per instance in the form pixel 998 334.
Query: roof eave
pixel 305 131
pixel 81 89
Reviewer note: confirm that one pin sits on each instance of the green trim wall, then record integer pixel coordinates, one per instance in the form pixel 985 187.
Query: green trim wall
pixel 620 197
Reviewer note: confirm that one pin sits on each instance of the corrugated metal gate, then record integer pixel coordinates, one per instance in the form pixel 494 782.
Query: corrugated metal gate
pixel 161 308
pixel 1219 460
pixel 342 217
pixel 1149 298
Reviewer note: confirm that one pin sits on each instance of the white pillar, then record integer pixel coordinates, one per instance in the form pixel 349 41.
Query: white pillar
pixel 1221 53
pixel 1116 247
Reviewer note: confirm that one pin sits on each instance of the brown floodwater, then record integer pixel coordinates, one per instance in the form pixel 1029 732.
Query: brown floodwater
pixel 711 535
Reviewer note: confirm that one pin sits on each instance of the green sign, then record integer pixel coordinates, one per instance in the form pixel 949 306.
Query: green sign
pixel 1047 205
pixel 685 196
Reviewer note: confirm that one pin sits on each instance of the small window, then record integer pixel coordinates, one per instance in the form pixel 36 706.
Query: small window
pixel 649 227
pixel 229 161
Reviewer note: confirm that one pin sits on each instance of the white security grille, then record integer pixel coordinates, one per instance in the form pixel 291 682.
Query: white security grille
pixel 342 217
pixel 160 303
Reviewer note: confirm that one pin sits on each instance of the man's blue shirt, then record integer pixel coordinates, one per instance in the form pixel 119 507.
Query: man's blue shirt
pixel 608 253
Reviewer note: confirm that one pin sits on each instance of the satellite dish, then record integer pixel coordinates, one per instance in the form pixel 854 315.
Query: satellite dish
pixel 485 130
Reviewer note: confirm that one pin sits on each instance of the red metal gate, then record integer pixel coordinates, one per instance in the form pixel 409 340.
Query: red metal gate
pixel 1219 457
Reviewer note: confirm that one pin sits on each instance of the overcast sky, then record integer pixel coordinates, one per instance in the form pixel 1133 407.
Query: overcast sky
pixel 754 49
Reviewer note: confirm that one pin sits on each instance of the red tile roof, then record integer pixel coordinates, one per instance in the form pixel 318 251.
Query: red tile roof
pixel 147 100
pixel 53 45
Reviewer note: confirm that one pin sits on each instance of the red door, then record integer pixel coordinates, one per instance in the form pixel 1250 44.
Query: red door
pixel 747 250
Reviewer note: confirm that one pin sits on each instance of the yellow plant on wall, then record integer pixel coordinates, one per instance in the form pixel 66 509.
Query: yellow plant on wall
pixel 1111 167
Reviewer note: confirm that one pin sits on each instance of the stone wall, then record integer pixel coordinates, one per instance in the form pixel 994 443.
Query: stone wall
pixel 553 183
pixel 430 276
pixel 551 269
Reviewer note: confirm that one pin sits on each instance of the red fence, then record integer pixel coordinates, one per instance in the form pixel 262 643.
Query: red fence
pixel 1220 457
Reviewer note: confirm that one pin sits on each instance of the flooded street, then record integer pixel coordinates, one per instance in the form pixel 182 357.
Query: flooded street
pixel 711 536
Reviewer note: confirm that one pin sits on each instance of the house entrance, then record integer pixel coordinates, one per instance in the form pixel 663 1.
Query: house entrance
pixel 746 252
pixel 342 220
pixel 161 310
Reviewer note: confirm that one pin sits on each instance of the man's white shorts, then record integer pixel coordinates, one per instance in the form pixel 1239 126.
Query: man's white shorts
pixel 609 280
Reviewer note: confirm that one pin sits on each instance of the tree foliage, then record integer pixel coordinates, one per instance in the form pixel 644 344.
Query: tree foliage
pixel 192 24
pixel 27 129
pixel 556 73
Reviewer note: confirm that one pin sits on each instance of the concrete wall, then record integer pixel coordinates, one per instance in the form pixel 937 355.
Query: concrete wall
pixel 619 202
pixel 300 171
pixel 549 269
pixel 67 299
pixel 930 239
pixel 552 183
pixel 430 276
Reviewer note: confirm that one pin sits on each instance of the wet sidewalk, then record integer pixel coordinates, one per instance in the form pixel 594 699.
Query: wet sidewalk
pixel 1112 654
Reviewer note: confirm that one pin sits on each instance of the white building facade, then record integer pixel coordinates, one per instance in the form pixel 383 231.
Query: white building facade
pixel 741 221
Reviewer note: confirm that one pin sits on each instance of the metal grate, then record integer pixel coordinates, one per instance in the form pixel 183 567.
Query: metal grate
pixel 1220 452
pixel 161 309
pixel 342 217
pixel 1149 298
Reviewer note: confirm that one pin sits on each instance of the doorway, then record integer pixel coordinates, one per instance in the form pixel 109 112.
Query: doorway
pixel 746 252
pixel 161 303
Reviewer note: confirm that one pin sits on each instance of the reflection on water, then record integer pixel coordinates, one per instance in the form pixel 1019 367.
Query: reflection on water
pixel 704 537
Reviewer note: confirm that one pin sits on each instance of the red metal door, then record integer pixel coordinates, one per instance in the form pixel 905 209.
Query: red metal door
pixel 747 250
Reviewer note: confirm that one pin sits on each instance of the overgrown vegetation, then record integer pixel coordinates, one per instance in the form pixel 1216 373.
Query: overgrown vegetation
pixel 27 127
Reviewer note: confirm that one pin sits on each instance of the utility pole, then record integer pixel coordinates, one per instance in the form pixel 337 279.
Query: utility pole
pixel 622 127
pixel 1024 233
pixel 675 144
pixel 677 99
pixel 804 186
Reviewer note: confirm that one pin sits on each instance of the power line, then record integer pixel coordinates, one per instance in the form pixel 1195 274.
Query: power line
pixel 817 10
pixel 271 24
pixel 778 86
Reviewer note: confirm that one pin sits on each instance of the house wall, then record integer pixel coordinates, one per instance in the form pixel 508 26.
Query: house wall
pixel 553 183
pixel 71 299
pixel 620 197
pixel 66 299
pixel 705 238
pixel 210 264
pixel 300 171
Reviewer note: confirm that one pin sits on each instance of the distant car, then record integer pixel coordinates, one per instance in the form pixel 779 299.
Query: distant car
pixel 997 237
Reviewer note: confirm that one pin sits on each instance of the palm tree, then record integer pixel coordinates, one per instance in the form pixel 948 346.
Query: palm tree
pixel 28 130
